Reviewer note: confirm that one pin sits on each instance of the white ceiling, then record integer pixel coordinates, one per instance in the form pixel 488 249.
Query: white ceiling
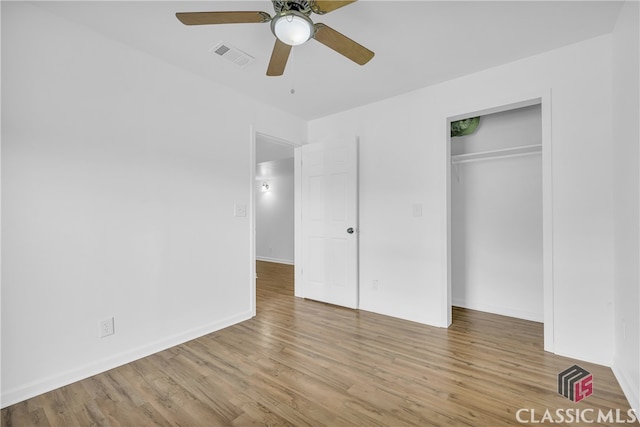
pixel 416 43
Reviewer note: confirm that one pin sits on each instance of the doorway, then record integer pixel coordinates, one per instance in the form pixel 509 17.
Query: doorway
pixel 496 208
pixel 481 276
pixel 309 212
pixel 273 205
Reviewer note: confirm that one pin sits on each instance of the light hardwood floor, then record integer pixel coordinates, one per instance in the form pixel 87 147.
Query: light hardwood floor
pixel 301 363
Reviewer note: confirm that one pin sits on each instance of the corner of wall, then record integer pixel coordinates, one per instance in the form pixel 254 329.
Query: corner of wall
pixel 627 385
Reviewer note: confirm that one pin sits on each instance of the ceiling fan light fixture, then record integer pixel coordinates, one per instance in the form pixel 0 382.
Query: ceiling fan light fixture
pixel 292 27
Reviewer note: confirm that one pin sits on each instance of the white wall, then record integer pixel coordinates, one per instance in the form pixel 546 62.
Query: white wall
pixel 496 218
pixel 275 211
pixel 119 179
pixel 626 191
pixel 403 162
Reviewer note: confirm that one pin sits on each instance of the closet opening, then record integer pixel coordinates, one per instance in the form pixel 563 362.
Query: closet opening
pixel 499 227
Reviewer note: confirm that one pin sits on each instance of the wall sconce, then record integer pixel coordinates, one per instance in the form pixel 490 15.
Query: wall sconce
pixel 265 186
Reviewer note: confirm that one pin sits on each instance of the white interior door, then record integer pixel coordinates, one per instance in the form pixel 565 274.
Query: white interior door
pixel 329 229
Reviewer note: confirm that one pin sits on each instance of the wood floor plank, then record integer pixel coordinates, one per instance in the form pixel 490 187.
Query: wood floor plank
pixel 20 415
pixel 305 363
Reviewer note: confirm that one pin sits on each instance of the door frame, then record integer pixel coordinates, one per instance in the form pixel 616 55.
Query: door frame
pixel 298 287
pixel 255 135
pixel 543 99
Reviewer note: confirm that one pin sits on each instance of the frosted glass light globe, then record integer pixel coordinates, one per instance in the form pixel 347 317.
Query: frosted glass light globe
pixel 292 28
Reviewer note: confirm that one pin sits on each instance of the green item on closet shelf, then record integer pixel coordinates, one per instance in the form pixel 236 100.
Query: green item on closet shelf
pixel 464 126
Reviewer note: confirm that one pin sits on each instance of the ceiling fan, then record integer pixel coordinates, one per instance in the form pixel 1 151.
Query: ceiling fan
pixel 292 26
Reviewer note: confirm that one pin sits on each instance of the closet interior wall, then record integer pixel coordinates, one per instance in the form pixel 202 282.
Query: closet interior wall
pixel 496 205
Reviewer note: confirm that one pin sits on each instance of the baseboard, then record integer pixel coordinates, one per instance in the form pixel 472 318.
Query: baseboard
pixel 422 318
pixel 10 397
pixel 626 384
pixel 275 260
pixel 583 358
pixel 502 311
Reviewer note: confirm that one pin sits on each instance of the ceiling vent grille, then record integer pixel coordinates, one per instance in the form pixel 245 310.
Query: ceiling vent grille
pixel 232 54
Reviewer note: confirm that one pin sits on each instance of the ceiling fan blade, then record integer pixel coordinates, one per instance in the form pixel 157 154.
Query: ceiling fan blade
pixel 278 58
pixel 206 18
pixel 324 6
pixel 342 44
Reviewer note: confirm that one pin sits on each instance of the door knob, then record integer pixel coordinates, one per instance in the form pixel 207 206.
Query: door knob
pixel 350 230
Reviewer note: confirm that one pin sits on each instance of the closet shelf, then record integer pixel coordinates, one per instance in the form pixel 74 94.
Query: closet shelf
pixel 497 154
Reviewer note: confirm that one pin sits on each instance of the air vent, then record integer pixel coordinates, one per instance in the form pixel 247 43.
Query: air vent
pixel 230 53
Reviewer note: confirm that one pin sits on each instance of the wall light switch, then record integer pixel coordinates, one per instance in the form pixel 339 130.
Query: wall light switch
pixel 417 209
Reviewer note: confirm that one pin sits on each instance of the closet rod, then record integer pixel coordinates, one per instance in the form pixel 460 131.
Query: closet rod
pixel 525 150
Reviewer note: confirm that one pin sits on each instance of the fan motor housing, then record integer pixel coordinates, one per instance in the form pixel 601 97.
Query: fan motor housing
pixel 302 6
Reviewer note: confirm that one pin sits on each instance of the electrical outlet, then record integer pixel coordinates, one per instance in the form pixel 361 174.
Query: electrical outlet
pixel 106 327
pixel 374 285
